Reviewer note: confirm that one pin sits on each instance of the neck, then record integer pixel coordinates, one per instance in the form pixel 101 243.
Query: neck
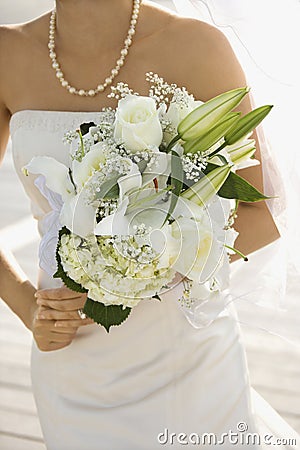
pixel 98 21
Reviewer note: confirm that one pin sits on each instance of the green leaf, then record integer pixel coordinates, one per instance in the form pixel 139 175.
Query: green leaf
pixel 177 175
pixel 60 273
pixel 222 159
pixel 246 124
pixel 107 316
pixel 109 189
pixel 85 127
pixel 201 119
pixel 236 187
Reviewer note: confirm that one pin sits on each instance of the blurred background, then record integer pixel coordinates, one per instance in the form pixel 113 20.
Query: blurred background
pixel 274 362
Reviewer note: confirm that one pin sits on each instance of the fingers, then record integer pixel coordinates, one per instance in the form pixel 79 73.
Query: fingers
pixel 63 305
pixel 52 314
pixel 73 323
pixel 70 318
pixel 58 293
pixel 56 321
pixel 47 327
pixel 61 338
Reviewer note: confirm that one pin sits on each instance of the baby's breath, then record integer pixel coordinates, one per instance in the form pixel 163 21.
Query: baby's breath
pixel 69 137
pixel 186 300
pixel 160 90
pixel 106 207
pixel 121 90
pixel 193 164
pixel 163 92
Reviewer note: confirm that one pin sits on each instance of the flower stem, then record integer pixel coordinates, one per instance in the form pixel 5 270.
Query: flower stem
pixel 237 252
pixel 172 143
pixel 81 142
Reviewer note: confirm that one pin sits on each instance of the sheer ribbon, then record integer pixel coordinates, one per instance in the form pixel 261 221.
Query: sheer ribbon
pixel 264 35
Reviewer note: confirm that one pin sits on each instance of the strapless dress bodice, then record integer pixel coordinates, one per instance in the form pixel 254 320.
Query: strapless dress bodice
pixel 37 133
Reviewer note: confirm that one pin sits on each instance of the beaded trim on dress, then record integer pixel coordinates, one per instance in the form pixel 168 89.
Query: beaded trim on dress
pixel 52 121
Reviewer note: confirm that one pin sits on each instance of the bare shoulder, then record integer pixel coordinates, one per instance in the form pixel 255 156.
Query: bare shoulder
pixel 17 45
pixel 23 33
pixel 8 45
pixel 8 37
pixel 202 58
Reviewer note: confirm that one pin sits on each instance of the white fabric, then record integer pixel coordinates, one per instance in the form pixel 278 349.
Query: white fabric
pixel 118 391
pixel 265 36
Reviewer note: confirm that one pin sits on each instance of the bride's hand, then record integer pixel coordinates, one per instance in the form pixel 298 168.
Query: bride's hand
pixel 56 318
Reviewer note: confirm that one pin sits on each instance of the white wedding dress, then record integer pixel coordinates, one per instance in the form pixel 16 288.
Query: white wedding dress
pixel 153 374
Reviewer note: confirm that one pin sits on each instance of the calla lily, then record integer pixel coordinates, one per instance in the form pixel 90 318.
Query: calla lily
pixel 56 175
pixel 203 118
pixel 202 191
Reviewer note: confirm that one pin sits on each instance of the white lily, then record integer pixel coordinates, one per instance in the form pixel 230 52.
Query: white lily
pixel 240 154
pixel 114 224
pixel 83 170
pixel 78 216
pixel 132 180
pixel 194 243
pixel 75 214
pixel 142 207
pixel 160 171
pixel 56 175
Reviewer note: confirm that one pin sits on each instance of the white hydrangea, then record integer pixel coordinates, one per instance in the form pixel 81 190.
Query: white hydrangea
pixel 110 275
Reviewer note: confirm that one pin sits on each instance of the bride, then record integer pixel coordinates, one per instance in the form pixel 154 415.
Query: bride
pixel 155 381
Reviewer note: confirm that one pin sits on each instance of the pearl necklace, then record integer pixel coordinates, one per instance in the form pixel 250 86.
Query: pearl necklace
pixel 114 72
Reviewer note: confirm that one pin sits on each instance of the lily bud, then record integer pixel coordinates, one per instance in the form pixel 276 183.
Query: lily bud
pixel 212 136
pixel 242 152
pixel 203 118
pixel 202 191
pixel 246 124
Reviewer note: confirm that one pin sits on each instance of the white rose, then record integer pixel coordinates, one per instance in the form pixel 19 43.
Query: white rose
pixel 137 123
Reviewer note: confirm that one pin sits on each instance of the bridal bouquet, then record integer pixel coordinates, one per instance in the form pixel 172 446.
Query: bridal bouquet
pixel 148 193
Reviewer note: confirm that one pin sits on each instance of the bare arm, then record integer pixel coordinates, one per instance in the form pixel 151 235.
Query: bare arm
pixel 20 295
pixel 217 71
pixel 15 288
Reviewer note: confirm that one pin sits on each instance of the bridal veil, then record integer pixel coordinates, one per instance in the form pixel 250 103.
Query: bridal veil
pixel 265 35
